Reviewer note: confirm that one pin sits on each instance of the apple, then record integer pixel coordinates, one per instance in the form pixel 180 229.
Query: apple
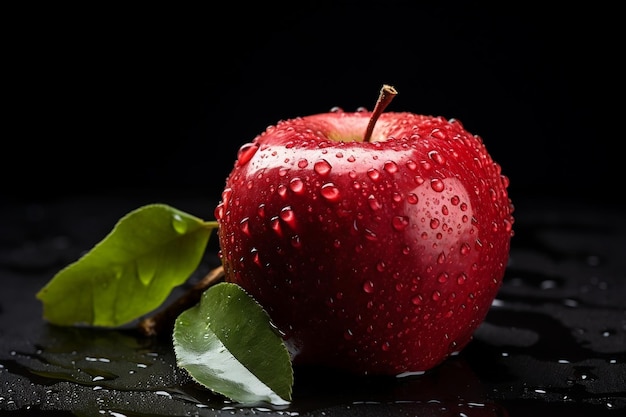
pixel 376 241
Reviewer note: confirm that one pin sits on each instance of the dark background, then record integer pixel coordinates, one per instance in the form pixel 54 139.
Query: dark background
pixel 107 99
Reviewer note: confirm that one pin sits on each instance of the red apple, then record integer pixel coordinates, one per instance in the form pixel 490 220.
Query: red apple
pixel 375 241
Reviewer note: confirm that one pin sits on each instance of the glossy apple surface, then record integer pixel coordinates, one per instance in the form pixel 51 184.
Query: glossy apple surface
pixel 378 257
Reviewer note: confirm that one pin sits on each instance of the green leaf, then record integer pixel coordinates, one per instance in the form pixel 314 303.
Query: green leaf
pixel 228 344
pixel 130 272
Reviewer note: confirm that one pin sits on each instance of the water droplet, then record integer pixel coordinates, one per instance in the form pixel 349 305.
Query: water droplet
pixel 443 277
pixel 436 295
pixel 322 167
pixel 380 266
pixel 219 211
pixel 303 163
pixel 438 134
pixel 400 223
pixel 417 300
pixel 287 215
pixel 146 269
pixel 437 185
pixel 410 164
pixel 244 226
pixel 368 287
pixel 245 153
pixel 275 225
pixel 330 192
pixel 390 167
pixel 296 185
pixel 370 235
pixel 436 157
pixel 373 202
pixel 255 256
pixel 282 190
pixel 179 224
pixel 441 258
pixel 412 198
pixel 261 210
pixel 434 223
pixel 461 278
pixel 295 241
pixel 374 174
pixel 455 200
pixel 348 335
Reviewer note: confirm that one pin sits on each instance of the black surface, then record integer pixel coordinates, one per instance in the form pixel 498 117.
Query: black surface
pixel 553 342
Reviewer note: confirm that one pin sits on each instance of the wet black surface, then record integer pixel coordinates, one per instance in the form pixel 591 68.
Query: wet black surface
pixel 554 342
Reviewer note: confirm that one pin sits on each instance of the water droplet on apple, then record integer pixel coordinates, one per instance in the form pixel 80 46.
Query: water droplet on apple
pixel 361 109
pixel 303 163
pixel 370 235
pixel 255 256
pixel 412 198
pixel 368 287
pixel 437 185
pixel 245 153
pixel 417 300
pixel 288 216
pixel 436 295
pixel 410 164
pixel 245 226
pixel 442 278
pixel 438 134
pixel 282 190
pixel 441 258
pixel 296 185
pixel 390 167
pixel 296 242
pixel 374 174
pixel 436 157
pixel 179 224
pixel 351 158
pixel 336 109
pixel 385 346
pixel 461 278
pixel 434 223
pixel 322 167
pixel 373 202
pixel 261 210
pixel 400 223
pixel 219 212
pixel 275 225
pixel 330 192
pixel 348 335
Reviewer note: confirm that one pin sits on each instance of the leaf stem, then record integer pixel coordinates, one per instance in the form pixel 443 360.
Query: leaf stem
pixel 163 321
pixel 387 93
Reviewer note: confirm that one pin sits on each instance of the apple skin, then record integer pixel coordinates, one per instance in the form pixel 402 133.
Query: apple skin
pixel 378 257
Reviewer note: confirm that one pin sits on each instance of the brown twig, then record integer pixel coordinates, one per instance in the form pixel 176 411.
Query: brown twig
pixel 387 93
pixel 163 321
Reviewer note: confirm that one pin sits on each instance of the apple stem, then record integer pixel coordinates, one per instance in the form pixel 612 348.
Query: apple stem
pixel 163 321
pixel 387 93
